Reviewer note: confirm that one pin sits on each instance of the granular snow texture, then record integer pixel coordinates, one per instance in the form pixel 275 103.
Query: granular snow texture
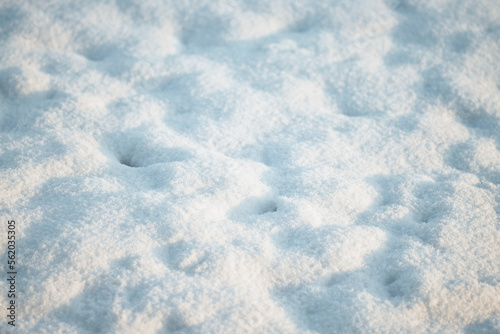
pixel 266 166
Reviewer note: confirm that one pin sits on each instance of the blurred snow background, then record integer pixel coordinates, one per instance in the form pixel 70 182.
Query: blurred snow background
pixel 252 166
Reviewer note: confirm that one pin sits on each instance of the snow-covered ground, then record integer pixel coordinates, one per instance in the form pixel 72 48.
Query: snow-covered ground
pixel 265 166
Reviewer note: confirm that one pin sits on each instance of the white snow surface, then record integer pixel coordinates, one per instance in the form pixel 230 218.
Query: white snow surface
pixel 251 166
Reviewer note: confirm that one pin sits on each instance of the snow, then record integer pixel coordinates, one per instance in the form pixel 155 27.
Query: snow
pixel 251 166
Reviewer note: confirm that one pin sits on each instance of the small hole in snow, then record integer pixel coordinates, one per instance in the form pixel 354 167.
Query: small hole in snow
pixel 254 206
pixel 127 161
pixel 269 207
